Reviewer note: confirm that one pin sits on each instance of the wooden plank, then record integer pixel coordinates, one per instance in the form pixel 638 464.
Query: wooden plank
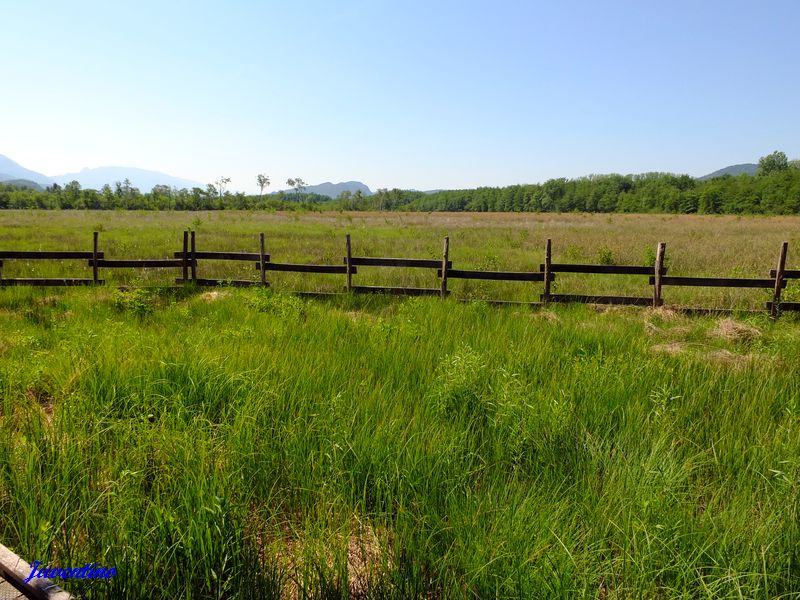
pixel 508 303
pixel 366 261
pixel 220 282
pixel 67 282
pixel 295 268
pixel 547 270
pixel 95 275
pixel 494 275
pixel 400 291
pixel 316 294
pixel 602 269
pixel 787 274
pixel 262 259
pixel 224 255
pixel 46 254
pixel 138 263
pixel 788 306
pixel 15 571
pixel 443 271
pixel 616 300
pixel 193 257
pixel 348 261
pixel 717 282
pixel 658 269
pixel 185 255
pixel 776 294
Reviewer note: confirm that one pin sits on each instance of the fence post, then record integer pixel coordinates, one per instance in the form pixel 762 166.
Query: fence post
pixel 658 268
pixel 776 296
pixel 185 256
pixel 548 258
pixel 445 257
pixel 95 277
pixel 263 259
pixel 194 260
pixel 349 263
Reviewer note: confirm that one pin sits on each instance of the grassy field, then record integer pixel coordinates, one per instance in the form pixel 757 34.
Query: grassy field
pixel 250 444
pixel 714 246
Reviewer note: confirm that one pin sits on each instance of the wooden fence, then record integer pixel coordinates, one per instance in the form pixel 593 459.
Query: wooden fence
pixel 186 263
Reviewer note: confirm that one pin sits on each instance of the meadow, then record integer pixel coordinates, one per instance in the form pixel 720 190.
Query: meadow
pixel 712 246
pixel 249 443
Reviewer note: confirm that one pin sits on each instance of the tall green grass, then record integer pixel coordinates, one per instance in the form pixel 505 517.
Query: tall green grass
pixel 242 444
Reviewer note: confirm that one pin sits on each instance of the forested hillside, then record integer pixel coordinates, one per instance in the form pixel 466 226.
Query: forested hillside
pixel 775 189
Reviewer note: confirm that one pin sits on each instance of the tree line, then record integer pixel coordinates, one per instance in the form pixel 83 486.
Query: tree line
pixel 775 189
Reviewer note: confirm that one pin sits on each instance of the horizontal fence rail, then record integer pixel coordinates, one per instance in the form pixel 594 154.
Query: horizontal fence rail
pixel 47 255
pixel 602 269
pixel 294 268
pixel 718 282
pixel 495 275
pixel 422 263
pixel 188 259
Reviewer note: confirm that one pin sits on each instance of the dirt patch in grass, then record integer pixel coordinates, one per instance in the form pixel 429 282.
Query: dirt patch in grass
pixel 664 313
pixel 734 331
pixel 212 296
pixel 725 357
pixel 43 398
pixel 651 329
pixel 545 315
pixel 672 348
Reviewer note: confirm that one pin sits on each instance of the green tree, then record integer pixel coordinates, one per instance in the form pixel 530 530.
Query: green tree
pixel 772 163
pixel 298 184
pixel 221 183
pixel 263 182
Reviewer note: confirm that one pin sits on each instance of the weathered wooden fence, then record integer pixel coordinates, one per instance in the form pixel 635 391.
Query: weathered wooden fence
pixel 186 263
pixel 14 571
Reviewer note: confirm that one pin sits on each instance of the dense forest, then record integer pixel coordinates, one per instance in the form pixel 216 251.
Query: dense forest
pixel 775 189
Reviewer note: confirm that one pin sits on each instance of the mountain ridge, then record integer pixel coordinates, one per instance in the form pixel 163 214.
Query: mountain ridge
pixel 332 190
pixel 144 179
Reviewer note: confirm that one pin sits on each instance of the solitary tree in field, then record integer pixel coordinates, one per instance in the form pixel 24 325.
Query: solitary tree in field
pixel 772 163
pixel 263 181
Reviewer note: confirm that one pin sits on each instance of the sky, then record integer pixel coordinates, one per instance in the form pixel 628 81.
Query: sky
pixel 413 94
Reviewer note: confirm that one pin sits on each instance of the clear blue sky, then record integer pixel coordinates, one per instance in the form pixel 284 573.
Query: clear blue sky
pixel 437 94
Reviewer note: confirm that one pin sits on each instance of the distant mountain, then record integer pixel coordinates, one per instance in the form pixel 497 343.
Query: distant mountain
pixel 10 170
pixel 747 168
pixel 334 189
pixel 21 183
pixel 140 178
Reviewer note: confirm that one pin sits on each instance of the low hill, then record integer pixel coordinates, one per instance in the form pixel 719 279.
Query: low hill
pixel 332 190
pixel 21 183
pixel 734 170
